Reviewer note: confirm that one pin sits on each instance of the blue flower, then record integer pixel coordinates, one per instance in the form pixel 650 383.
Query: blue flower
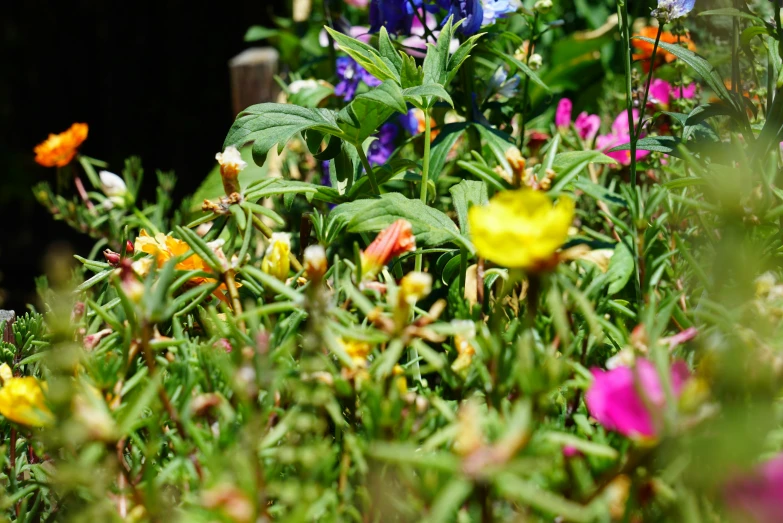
pixel 349 74
pixel 471 11
pixel 494 9
pixel 395 15
pixel 380 149
pixel 668 10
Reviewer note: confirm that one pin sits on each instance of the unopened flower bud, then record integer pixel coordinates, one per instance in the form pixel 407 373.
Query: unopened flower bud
pixel 113 258
pixel 231 163
pixel 394 240
pixel 415 286
pixel 276 262
pixel 315 262
pixel 536 61
pixel 129 248
pixel 78 311
pixel 112 185
pixel 543 7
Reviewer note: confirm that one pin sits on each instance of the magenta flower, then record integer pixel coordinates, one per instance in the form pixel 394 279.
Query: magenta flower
pixel 759 496
pixel 662 91
pixel 614 401
pixel 620 135
pixel 587 125
pixel 563 113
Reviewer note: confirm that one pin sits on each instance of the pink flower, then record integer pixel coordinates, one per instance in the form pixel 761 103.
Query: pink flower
pixel 687 91
pixel 660 91
pixel 361 4
pixel 620 135
pixel 759 496
pixel 614 401
pixel 587 125
pixel 563 113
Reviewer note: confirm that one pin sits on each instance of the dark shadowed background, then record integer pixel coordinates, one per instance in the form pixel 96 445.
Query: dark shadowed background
pixel 150 78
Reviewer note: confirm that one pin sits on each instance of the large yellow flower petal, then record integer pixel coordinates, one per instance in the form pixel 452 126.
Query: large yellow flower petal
pixel 22 401
pixel 520 229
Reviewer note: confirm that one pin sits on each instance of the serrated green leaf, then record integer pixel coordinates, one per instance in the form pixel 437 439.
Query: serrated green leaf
pixel 430 226
pixel 366 56
pixel 415 94
pixel 269 124
pixel 367 112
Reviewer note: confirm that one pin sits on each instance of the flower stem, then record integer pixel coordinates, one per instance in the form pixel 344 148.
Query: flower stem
pixel 425 171
pixel 231 285
pixel 368 170
pixel 635 136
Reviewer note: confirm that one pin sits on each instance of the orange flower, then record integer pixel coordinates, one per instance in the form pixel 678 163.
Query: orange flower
pixel 59 149
pixel 394 240
pixel 645 49
pixel 164 248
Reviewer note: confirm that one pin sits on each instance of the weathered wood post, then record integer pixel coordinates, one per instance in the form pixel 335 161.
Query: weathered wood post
pixel 253 77
pixel 9 317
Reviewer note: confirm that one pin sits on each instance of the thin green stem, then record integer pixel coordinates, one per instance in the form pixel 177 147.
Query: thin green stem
pixel 638 131
pixel 368 170
pixel 425 170
pixel 525 86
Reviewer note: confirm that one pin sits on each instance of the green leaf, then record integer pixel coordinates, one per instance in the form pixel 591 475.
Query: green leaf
pixel 442 145
pixel 362 117
pixel 460 55
pixel 465 194
pixel 365 55
pixel 415 94
pixel 498 142
pixel 568 165
pixel 450 499
pixel 522 66
pixel 530 494
pixel 344 169
pixel 730 11
pixel 387 50
pixel 430 226
pixel 659 144
pixel 621 268
pixel 411 74
pixel 311 96
pixel 436 60
pixel 270 124
pixel 257 32
pixel 702 67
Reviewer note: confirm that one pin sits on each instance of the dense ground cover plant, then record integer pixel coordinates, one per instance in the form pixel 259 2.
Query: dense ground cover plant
pixel 483 261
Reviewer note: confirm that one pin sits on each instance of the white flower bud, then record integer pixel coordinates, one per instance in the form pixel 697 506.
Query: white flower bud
pixel 536 61
pixel 542 7
pixel 112 185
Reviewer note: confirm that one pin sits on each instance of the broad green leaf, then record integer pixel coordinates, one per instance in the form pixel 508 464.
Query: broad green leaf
pixel 442 145
pixel 658 144
pixel 411 74
pixel 365 114
pixel 621 268
pixel 436 60
pixel 465 194
pixel 270 124
pixel 366 56
pixel 311 96
pixel 344 169
pixel 415 94
pixel 430 226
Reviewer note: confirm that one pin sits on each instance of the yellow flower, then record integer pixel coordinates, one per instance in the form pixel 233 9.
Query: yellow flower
pixel 59 149
pixel 521 229
pixel 357 350
pixel 22 401
pixel 276 262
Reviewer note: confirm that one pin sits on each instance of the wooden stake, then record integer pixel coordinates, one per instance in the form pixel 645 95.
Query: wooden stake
pixel 253 77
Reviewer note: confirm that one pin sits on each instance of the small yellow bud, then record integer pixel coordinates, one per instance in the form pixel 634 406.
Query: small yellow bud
pixel 315 262
pixel 276 262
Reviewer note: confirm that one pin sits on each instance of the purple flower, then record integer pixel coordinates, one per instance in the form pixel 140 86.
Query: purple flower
pixel 395 15
pixel 381 149
pixel 471 11
pixel 587 125
pixel 614 401
pixel 563 113
pixel 410 122
pixel 759 496
pixel 350 74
